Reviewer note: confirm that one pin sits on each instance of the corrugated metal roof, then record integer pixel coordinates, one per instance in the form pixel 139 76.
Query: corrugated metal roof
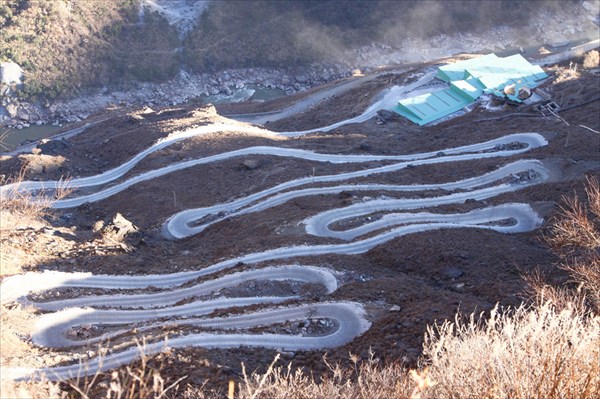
pixel 428 107
pixel 468 80
pixel 456 70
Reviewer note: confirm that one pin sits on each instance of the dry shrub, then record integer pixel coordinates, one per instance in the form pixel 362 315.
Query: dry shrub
pixel 575 236
pixel 587 276
pixel 577 226
pixel 540 352
pixel 561 297
pixel 549 350
pixel 591 59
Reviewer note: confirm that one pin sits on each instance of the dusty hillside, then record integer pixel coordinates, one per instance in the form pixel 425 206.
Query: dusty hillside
pixel 404 283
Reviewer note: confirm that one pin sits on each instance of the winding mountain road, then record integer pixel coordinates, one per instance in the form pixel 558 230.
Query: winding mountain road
pixel 178 303
pixel 348 316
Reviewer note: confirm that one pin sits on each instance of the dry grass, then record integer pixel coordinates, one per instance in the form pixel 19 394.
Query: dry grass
pixel 538 352
pixel 18 205
pixel 31 390
pixel 360 379
pixel 22 214
pixel 549 350
pixel 143 380
pixel 140 381
pixel 22 245
pixel 577 226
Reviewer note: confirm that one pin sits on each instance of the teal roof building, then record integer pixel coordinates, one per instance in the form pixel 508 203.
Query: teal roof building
pixel 468 80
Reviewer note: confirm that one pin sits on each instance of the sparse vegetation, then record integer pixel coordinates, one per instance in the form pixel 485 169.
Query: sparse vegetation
pixel 66 45
pixel 539 352
pixel 548 348
pixel 23 205
pixel 591 59
pixel 142 381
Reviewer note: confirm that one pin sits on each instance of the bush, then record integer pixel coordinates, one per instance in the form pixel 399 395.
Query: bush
pixel 575 236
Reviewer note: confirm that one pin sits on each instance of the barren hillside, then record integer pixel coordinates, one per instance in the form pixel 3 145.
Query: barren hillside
pixel 237 241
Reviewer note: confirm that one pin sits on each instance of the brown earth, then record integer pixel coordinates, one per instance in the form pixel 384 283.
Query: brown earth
pixel 428 275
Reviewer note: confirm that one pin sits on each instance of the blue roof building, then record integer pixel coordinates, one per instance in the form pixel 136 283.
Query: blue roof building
pixel 468 80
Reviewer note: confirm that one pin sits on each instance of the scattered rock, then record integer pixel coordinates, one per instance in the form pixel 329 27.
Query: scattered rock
pixel 589 6
pixel 301 78
pixel 365 147
pixel 345 194
pixel 98 226
pixel 558 41
pixel 50 231
pixel 67 216
pixel 250 164
pixel 122 225
pixel 395 308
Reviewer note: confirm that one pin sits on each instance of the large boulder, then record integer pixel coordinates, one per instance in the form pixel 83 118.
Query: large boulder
pixel 11 73
pixel 23 115
pixel 122 230
pixel 12 110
